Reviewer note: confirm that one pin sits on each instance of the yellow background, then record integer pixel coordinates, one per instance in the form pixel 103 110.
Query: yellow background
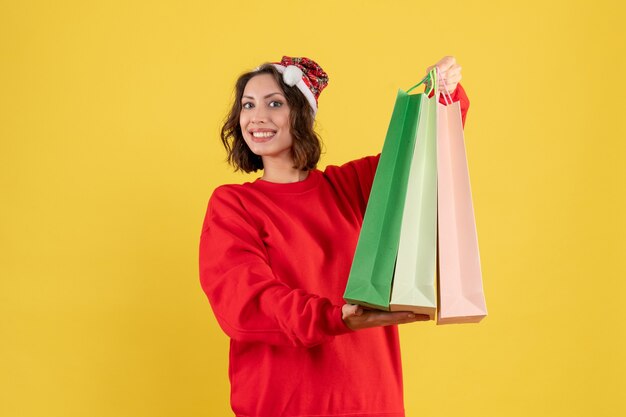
pixel 109 119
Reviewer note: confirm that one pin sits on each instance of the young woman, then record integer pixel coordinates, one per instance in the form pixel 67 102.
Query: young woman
pixel 275 255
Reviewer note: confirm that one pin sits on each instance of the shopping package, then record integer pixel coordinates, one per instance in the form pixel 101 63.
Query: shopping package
pixel 460 289
pixel 371 274
pixel 413 287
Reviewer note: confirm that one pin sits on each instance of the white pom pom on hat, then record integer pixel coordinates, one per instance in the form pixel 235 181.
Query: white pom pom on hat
pixel 292 75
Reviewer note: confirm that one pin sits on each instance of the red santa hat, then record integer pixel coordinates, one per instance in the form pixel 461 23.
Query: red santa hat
pixel 305 74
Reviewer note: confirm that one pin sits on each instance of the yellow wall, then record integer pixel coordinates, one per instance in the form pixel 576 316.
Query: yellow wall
pixel 109 118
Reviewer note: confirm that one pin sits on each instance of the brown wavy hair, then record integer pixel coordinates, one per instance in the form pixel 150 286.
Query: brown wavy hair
pixel 307 145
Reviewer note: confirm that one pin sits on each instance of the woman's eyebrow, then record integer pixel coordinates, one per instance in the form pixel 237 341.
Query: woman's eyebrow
pixel 269 95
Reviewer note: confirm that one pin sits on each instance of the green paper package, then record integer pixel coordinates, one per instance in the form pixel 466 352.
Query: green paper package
pixel 371 274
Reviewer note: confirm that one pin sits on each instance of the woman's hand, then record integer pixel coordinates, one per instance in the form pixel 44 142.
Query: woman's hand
pixel 356 317
pixel 449 71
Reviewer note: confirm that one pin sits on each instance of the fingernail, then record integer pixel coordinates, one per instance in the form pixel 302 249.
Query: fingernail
pixel 411 315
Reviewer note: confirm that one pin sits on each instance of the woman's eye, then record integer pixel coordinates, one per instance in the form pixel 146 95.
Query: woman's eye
pixel 247 105
pixel 275 104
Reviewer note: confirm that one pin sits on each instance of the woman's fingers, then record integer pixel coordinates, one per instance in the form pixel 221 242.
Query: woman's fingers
pixel 451 78
pixel 454 79
pixel 400 317
pixel 450 85
pixel 445 63
pixel 449 71
pixel 350 310
pixel 376 318
pixel 454 71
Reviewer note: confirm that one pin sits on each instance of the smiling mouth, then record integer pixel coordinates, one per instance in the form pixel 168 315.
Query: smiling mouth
pixel 263 134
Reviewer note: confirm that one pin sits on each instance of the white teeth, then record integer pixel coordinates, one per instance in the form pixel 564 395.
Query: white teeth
pixel 263 134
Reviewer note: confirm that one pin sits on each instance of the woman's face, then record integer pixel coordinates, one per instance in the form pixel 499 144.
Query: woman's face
pixel 264 118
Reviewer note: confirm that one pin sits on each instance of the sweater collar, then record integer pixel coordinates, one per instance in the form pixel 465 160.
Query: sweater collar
pixel 291 187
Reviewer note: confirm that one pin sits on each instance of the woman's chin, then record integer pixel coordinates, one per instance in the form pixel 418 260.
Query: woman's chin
pixel 271 152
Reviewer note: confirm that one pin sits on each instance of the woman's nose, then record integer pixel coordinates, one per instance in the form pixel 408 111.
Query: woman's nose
pixel 259 114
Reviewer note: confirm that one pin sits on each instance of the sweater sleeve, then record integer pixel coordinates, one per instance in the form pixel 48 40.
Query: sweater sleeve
pixel 249 302
pixel 354 179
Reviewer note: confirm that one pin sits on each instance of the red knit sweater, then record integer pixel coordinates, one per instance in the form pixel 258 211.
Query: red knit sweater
pixel 274 262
